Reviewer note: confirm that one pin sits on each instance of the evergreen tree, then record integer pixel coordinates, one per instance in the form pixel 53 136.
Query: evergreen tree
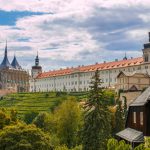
pixel 97 128
pixel 125 108
pixel 119 118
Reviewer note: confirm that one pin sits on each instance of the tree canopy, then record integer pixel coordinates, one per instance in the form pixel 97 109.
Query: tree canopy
pixel 24 137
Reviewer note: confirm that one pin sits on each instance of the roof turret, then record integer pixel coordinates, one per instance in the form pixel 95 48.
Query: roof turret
pixel 15 63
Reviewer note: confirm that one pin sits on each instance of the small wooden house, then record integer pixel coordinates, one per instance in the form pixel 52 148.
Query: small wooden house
pixel 138 120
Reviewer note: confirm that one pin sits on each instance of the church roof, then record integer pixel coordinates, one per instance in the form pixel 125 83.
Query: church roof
pixel 5 63
pixel 90 68
pixel 15 63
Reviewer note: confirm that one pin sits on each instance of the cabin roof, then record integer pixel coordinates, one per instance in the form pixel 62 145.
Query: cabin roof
pixel 142 99
pixel 131 135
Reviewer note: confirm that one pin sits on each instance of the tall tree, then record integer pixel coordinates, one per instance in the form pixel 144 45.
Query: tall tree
pixel 97 128
pixel 119 118
pixel 125 107
pixel 68 122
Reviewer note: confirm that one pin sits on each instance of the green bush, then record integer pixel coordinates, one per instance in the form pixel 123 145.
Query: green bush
pixel 29 116
pixel 24 137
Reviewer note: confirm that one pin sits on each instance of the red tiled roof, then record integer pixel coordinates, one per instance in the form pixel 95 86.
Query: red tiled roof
pixel 90 68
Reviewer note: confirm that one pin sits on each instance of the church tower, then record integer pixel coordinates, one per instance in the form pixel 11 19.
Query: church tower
pixel 36 69
pixel 5 63
pixel 146 51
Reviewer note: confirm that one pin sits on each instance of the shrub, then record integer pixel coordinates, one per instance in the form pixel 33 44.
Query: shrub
pixel 30 116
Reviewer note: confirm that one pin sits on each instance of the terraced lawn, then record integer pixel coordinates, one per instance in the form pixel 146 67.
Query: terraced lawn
pixel 40 102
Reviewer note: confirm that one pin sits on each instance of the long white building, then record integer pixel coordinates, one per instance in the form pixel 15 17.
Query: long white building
pixel 78 78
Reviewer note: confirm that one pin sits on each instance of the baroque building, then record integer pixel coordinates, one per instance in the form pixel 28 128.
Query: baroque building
pixel 78 78
pixel 12 77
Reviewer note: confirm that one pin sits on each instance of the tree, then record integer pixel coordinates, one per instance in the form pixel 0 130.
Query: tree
pixel 43 121
pixel 63 147
pixel 110 96
pixel 30 116
pixel 24 137
pixel 13 115
pixel 119 118
pixel 125 107
pixel 113 144
pixel 4 119
pixel 68 122
pixel 97 128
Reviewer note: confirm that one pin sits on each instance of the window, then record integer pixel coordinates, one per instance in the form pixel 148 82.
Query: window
pixel 134 117
pixel 146 58
pixel 139 68
pixel 139 80
pixel 141 118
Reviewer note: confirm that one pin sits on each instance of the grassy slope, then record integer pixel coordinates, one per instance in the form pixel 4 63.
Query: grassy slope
pixel 24 102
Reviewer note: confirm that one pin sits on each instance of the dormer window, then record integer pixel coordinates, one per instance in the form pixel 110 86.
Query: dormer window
pixel 134 117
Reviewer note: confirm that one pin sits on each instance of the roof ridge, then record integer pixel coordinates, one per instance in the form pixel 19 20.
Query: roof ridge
pixel 100 66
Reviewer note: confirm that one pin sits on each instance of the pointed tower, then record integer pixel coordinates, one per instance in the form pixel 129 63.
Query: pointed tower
pixel 15 63
pixel 125 56
pixel 5 63
pixel 146 51
pixel 36 69
pixel 37 60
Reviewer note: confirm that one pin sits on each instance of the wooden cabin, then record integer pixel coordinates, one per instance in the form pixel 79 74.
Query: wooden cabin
pixel 138 120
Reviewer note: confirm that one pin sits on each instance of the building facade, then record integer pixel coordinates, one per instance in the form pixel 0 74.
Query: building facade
pixel 78 78
pixel 12 76
pixel 132 81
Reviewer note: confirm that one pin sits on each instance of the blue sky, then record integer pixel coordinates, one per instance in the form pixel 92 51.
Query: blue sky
pixel 73 32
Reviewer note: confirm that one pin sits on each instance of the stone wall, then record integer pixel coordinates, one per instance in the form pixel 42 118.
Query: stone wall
pixel 5 92
pixel 130 96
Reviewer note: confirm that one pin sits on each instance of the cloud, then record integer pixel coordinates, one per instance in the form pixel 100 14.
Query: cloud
pixel 73 32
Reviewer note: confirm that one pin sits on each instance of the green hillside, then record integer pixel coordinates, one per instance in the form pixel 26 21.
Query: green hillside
pixel 39 102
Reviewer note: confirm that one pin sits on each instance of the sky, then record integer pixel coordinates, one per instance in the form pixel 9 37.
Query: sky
pixel 68 33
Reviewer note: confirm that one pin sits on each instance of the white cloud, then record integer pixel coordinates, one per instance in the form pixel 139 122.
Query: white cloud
pixel 138 35
pixel 57 6
pixel 61 36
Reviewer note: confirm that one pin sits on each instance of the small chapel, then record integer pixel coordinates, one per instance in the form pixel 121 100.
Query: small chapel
pixel 12 76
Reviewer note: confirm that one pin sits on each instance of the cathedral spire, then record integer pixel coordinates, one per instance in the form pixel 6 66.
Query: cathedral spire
pixel 5 63
pixel 6 49
pixel 15 63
